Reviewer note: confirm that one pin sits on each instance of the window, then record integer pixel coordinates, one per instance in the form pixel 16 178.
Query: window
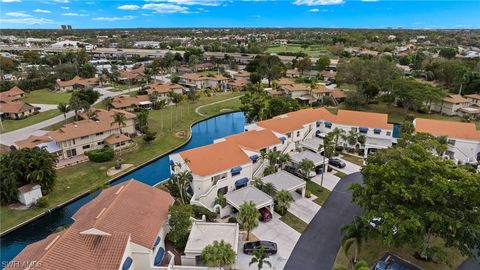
pixel 389 133
pixel 99 133
pixel 354 129
pixel 73 141
pixel 298 133
pixel 84 137
pixel 289 135
pixel 377 131
pixel 218 177
pixel 222 191
pixel 101 143
pixel 86 146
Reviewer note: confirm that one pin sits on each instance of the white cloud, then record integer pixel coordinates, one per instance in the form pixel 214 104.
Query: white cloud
pixel 129 7
pixel 90 3
pixel 317 2
pixel 112 19
pixel 42 11
pixel 11 1
pixel 61 1
pixel 369 0
pixel 314 10
pixel 30 21
pixel 165 8
pixel 65 7
pixel 191 2
pixel 72 14
pixel 21 14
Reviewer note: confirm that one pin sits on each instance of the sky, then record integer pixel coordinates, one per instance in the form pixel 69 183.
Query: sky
pixel 239 13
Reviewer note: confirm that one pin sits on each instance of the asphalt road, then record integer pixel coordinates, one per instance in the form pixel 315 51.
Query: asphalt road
pixel 318 245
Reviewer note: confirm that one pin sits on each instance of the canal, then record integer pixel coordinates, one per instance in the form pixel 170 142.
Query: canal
pixel 203 133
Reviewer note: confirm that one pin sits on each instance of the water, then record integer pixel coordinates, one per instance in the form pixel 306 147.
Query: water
pixel 396 130
pixel 203 133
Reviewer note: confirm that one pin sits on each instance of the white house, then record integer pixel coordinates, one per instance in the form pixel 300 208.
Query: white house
pixel 463 138
pixel 197 81
pixel 29 194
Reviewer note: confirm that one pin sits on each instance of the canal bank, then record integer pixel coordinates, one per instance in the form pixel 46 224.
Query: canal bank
pixel 202 133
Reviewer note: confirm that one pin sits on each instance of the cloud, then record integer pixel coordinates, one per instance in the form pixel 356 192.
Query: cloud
pixel 317 2
pixel 191 2
pixel 112 19
pixel 129 7
pixel 42 11
pixel 369 1
pixel 72 14
pixel 10 1
pixel 314 10
pixel 165 8
pixel 21 14
pixel 65 7
pixel 29 20
pixel 61 1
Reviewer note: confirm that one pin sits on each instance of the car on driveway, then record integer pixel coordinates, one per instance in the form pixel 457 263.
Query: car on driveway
pixel 265 214
pixel 336 162
pixel 269 247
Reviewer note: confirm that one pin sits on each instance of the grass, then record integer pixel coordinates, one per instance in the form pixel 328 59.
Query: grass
pixel 11 125
pixel 372 250
pixel 75 180
pixel 321 192
pixel 353 159
pixel 340 174
pixel 59 124
pixel 294 222
pixel 230 105
pixel 46 96
pixel 313 50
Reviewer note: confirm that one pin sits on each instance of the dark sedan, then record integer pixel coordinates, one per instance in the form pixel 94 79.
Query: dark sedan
pixel 250 247
pixel 337 163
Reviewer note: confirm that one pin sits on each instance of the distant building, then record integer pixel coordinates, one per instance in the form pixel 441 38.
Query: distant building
pixel 76 82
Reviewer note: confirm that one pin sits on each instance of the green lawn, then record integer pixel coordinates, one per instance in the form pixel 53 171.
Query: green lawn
pixel 75 180
pixel 353 159
pixel 230 105
pixel 321 192
pixel 11 125
pixel 372 250
pixel 46 96
pixel 294 222
pixel 313 50
pixel 340 174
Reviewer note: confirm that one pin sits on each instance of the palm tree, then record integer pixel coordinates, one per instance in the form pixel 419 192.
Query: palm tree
pixel 120 119
pixel 64 108
pixel 248 216
pixel 306 165
pixel 268 188
pixel 107 102
pixel 182 179
pixel 221 200
pixel 353 235
pixel 337 134
pixel 283 158
pixel 352 138
pixel 218 254
pixel 260 257
pixel 283 198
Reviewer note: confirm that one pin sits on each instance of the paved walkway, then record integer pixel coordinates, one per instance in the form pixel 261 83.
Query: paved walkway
pixel 197 110
pixel 23 133
pixel 318 245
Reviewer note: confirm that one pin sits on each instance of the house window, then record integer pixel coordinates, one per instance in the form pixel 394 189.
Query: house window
pixel 86 146
pixel 84 137
pixel 101 143
pixel 289 135
pixel 389 133
pixel 222 191
pixel 451 142
pixel 298 133
pixel 218 177
pixel 99 133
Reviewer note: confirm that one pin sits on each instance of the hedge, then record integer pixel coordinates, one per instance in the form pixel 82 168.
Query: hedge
pixel 101 155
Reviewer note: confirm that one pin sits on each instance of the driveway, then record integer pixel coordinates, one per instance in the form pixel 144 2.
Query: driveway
pixel 329 180
pixel 318 245
pixel 45 107
pixel 350 168
pixel 275 231
pixel 304 208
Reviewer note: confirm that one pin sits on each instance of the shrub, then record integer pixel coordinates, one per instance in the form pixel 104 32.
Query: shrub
pixel 42 202
pixel 308 194
pixel 232 220
pixel 329 169
pixel 101 155
pixel 199 211
pixel 339 148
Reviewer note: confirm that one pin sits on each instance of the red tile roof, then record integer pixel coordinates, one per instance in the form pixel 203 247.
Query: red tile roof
pixel 363 119
pixel 78 80
pixel 255 140
pixel 163 88
pixel 15 93
pixel 15 107
pixel 132 207
pixel 451 129
pixel 215 158
pixel 123 101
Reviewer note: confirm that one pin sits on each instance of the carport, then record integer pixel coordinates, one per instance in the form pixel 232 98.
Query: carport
pixel 317 159
pixel 283 180
pixel 312 144
pixel 249 194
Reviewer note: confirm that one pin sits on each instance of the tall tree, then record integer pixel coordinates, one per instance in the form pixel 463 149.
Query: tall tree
pixel 218 254
pixel 248 217
pixel 64 109
pixel 322 63
pixel 283 198
pixel 353 235
pixel 179 223
pixel 119 119
pixel 260 257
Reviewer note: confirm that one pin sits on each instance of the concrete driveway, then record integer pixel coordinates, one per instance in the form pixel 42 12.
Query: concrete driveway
pixel 329 180
pixel 304 208
pixel 275 231
pixel 350 168
pixel 45 107
pixel 318 245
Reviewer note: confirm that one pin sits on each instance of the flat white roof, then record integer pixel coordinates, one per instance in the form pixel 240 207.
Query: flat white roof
pixel 247 194
pixel 283 180
pixel 312 144
pixel 316 158
pixel 203 234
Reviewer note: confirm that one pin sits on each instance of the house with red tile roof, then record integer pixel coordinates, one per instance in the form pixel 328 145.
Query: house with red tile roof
pixel 14 94
pixel 136 74
pixel 198 81
pixel 450 104
pixel 463 138
pixel 77 81
pixel 74 139
pixel 124 227
pixel 16 110
pixel 128 103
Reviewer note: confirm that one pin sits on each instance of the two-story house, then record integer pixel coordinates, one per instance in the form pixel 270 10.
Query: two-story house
pixel 77 81
pixel 14 94
pixel 450 104
pixel 463 138
pixel 196 81
pixel 163 89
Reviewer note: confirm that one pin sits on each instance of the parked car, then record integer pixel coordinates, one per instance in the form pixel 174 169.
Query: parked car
pixel 310 174
pixel 336 162
pixel 265 214
pixel 250 247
